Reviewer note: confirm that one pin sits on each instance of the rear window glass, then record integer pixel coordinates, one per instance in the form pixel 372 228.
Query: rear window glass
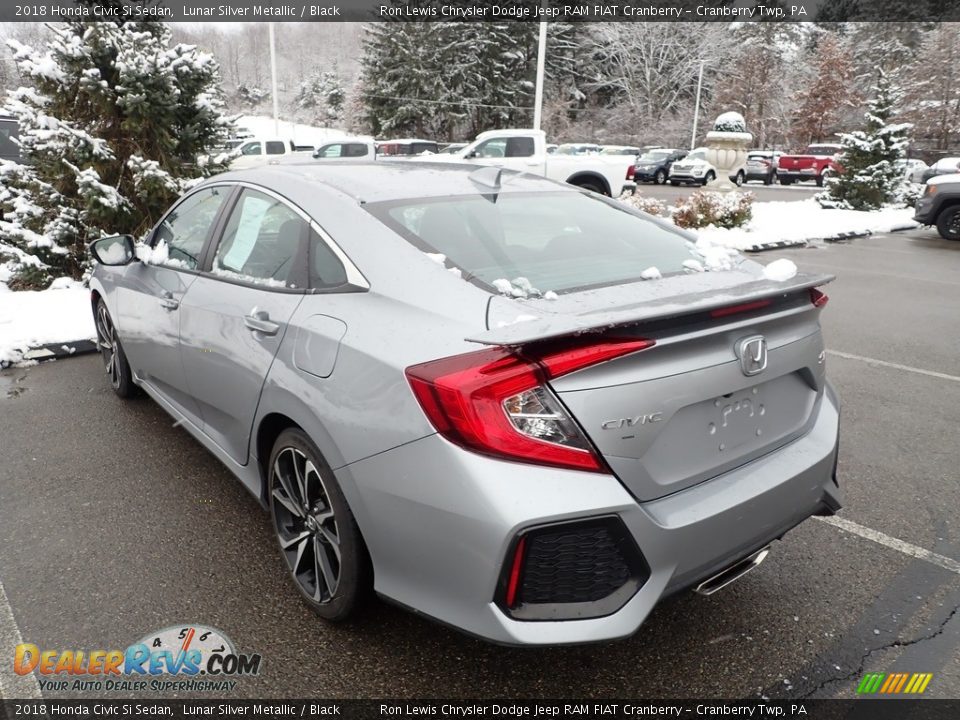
pixel 558 241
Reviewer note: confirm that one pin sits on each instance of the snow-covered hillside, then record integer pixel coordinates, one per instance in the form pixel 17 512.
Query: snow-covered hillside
pixel 263 126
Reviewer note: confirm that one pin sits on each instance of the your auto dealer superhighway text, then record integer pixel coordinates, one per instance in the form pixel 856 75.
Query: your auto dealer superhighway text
pixel 589 710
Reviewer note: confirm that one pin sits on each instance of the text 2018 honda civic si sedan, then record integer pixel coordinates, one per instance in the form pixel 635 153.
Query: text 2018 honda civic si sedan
pixel 451 385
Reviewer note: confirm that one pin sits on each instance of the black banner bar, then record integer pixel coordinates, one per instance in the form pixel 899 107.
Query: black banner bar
pixel 479 10
pixel 861 709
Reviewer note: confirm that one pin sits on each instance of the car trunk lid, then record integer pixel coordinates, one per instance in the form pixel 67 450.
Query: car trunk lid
pixel 686 410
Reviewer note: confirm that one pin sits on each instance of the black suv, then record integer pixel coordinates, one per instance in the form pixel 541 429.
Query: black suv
pixel 940 205
pixel 654 165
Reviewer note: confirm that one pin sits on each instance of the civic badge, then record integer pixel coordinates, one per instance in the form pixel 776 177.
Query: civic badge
pixel 752 352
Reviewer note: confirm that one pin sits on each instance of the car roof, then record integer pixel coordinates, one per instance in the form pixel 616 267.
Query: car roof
pixel 385 181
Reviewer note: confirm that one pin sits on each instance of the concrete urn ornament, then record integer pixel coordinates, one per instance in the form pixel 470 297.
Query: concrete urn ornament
pixel 727 147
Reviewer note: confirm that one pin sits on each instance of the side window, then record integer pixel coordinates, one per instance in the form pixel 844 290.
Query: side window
pixel 252 148
pixel 274 147
pixel 326 270
pixel 519 147
pixel 354 150
pixel 179 238
pixel 493 148
pixel 331 151
pixel 262 243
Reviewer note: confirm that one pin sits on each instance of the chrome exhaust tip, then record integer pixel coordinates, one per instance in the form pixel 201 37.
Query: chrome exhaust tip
pixel 732 573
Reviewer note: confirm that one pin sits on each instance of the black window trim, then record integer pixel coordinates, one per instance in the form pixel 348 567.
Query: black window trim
pixel 212 232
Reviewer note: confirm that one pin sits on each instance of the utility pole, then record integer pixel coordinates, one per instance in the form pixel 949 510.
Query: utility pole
pixel 273 81
pixel 541 60
pixel 696 109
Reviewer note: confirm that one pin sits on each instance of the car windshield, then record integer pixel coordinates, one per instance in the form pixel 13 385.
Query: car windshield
pixel 697 155
pixel 619 151
pixel 655 156
pixel 557 241
pixel 822 150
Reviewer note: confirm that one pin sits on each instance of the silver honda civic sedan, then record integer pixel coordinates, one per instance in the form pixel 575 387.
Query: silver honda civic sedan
pixel 514 406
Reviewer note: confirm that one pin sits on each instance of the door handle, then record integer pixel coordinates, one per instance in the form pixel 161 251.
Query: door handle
pixel 168 302
pixel 259 321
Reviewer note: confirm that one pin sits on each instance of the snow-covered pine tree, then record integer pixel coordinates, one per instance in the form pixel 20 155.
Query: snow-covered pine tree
pixel 447 80
pixel 871 176
pixel 116 124
pixel 322 96
pixel 332 95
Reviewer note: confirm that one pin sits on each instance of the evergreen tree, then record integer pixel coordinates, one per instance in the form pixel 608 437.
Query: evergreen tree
pixel 871 177
pixel 116 125
pixel 448 79
pixel 322 94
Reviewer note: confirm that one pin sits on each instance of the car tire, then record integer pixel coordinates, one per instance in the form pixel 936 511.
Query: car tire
pixel 784 181
pixel 709 177
pixel 114 358
pixel 738 181
pixel 661 177
pixel 318 537
pixel 948 223
pixel 821 178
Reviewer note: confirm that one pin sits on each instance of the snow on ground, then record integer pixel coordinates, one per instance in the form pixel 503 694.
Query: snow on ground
pixel 60 314
pixel 796 222
pixel 261 126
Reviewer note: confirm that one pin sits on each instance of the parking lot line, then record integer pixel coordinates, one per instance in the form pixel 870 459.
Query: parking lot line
pixel 21 687
pixel 893 543
pixel 896 366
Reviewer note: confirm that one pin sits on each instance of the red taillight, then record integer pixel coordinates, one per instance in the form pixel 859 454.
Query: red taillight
pixel 630 172
pixel 513 583
pixel 818 298
pixel 497 403
pixel 742 308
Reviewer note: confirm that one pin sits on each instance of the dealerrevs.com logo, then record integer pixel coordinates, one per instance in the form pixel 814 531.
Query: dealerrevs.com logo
pixel 181 657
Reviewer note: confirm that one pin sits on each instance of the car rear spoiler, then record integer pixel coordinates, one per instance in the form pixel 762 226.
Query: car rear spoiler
pixel 639 303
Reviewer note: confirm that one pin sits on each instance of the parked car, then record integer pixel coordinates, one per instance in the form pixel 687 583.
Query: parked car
pixel 452 148
pixel 359 149
pixel 9 134
pixel 620 150
pixel 694 168
pixel 532 466
pixel 940 205
pixel 762 166
pixel 525 150
pixel 407 147
pixel 943 166
pixel 654 165
pixel 819 162
pixel 913 169
pixel 261 151
pixel 578 149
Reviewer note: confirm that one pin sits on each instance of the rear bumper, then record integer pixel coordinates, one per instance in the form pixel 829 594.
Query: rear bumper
pixel 439 522
pixel 795 176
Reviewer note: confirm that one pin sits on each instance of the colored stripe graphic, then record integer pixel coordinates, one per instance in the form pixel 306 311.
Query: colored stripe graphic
pixel 894 683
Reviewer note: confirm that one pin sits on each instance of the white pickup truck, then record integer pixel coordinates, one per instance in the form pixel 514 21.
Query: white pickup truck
pixel 526 150
pixel 260 151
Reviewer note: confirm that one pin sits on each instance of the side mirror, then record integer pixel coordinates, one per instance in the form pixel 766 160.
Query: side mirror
pixel 113 250
pixel 470 155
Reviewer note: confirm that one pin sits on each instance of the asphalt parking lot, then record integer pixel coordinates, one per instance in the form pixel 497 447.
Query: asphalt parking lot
pixel 115 523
